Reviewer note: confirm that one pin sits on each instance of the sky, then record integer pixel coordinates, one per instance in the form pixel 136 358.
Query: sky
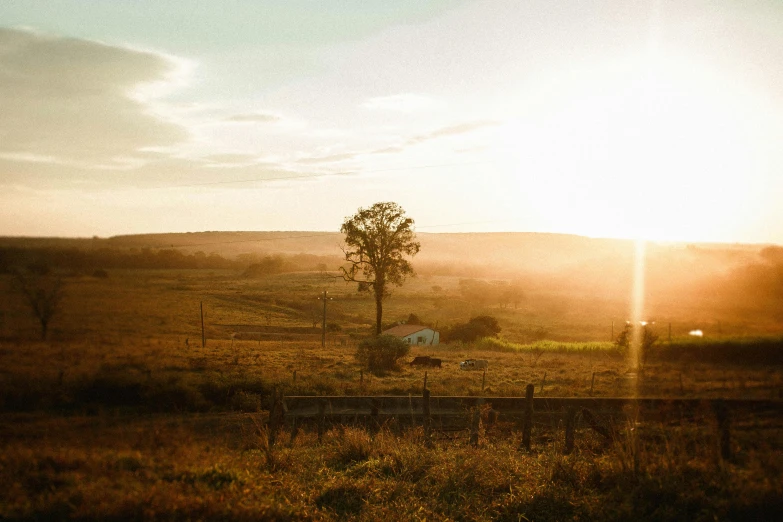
pixel 607 118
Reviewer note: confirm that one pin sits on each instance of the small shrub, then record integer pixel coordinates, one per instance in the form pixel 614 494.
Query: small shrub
pixel 476 328
pixel 382 352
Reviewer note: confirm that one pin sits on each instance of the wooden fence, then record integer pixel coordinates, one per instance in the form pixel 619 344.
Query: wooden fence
pixel 451 413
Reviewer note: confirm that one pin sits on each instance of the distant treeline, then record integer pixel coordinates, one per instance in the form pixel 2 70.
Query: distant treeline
pixel 763 351
pixel 86 261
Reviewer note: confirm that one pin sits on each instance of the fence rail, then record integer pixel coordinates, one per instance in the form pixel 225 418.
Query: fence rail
pixel 443 413
pixel 648 407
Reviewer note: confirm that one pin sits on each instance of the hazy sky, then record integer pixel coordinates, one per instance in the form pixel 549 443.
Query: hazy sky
pixel 658 119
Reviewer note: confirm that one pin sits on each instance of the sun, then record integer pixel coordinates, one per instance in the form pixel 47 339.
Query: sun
pixel 636 147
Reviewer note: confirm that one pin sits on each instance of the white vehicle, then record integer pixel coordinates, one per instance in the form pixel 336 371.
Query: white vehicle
pixel 473 364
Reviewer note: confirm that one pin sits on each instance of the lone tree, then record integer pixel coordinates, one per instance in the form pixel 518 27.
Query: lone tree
pixel 43 293
pixel 377 239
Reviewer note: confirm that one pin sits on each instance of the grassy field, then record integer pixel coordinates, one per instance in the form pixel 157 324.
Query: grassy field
pixel 122 414
pixel 218 467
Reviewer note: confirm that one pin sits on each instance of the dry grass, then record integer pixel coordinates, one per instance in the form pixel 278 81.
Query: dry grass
pixel 220 467
pixel 116 417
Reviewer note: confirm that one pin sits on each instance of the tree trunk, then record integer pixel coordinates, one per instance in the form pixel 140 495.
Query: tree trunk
pixel 378 312
pixel 44 327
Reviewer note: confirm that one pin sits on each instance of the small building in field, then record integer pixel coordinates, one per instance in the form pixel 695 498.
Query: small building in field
pixel 414 334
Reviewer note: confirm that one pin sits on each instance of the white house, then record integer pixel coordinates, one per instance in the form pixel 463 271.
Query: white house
pixel 414 334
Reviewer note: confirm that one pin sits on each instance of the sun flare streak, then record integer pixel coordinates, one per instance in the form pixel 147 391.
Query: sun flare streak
pixel 637 304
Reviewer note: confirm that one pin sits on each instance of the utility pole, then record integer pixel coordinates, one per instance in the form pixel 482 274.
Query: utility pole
pixel 203 337
pixel 323 323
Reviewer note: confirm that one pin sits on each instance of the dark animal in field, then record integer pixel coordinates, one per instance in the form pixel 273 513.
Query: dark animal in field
pixel 426 361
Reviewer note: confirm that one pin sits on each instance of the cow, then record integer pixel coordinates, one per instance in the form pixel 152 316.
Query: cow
pixel 426 361
pixel 473 364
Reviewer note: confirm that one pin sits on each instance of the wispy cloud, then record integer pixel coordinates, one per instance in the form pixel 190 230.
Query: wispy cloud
pixel 28 157
pixel 332 158
pixel 405 102
pixel 454 130
pixel 443 132
pixel 405 143
pixel 254 117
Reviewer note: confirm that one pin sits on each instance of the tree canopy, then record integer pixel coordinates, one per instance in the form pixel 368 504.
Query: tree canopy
pixel 476 328
pixel 377 241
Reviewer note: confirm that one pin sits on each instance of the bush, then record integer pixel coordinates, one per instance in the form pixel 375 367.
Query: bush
pixel 476 328
pixel 333 327
pixel 647 338
pixel 382 352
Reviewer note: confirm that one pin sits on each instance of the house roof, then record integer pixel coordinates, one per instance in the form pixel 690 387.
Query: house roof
pixel 404 330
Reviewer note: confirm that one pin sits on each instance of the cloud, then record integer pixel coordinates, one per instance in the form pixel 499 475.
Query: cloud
pixel 228 158
pixel 254 117
pixel 66 100
pixel 405 102
pixel 443 132
pixel 27 157
pixel 332 158
pixel 452 130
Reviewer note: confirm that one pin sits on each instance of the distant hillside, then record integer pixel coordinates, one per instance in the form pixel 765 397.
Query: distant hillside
pixel 564 271
pixel 499 252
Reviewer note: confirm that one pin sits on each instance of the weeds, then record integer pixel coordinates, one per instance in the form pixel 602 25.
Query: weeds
pixel 88 471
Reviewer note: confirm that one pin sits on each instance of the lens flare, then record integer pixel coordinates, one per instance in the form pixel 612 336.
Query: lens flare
pixel 637 305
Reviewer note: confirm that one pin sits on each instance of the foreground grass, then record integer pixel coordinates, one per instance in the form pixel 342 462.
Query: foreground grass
pixel 220 468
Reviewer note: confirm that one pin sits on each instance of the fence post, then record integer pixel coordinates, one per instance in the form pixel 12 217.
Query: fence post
pixel 476 424
pixel 724 428
pixel 569 430
pixel 592 383
pixel 427 419
pixel 527 419
pixel 321 419
pixel 275 411
pixel 543 382
pixel 483 379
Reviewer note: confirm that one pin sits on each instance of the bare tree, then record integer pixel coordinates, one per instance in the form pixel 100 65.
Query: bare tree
pixel 43 293
pixel 377 239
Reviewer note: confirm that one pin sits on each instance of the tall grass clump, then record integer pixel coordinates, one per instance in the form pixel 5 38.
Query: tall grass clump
pixel 492 344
